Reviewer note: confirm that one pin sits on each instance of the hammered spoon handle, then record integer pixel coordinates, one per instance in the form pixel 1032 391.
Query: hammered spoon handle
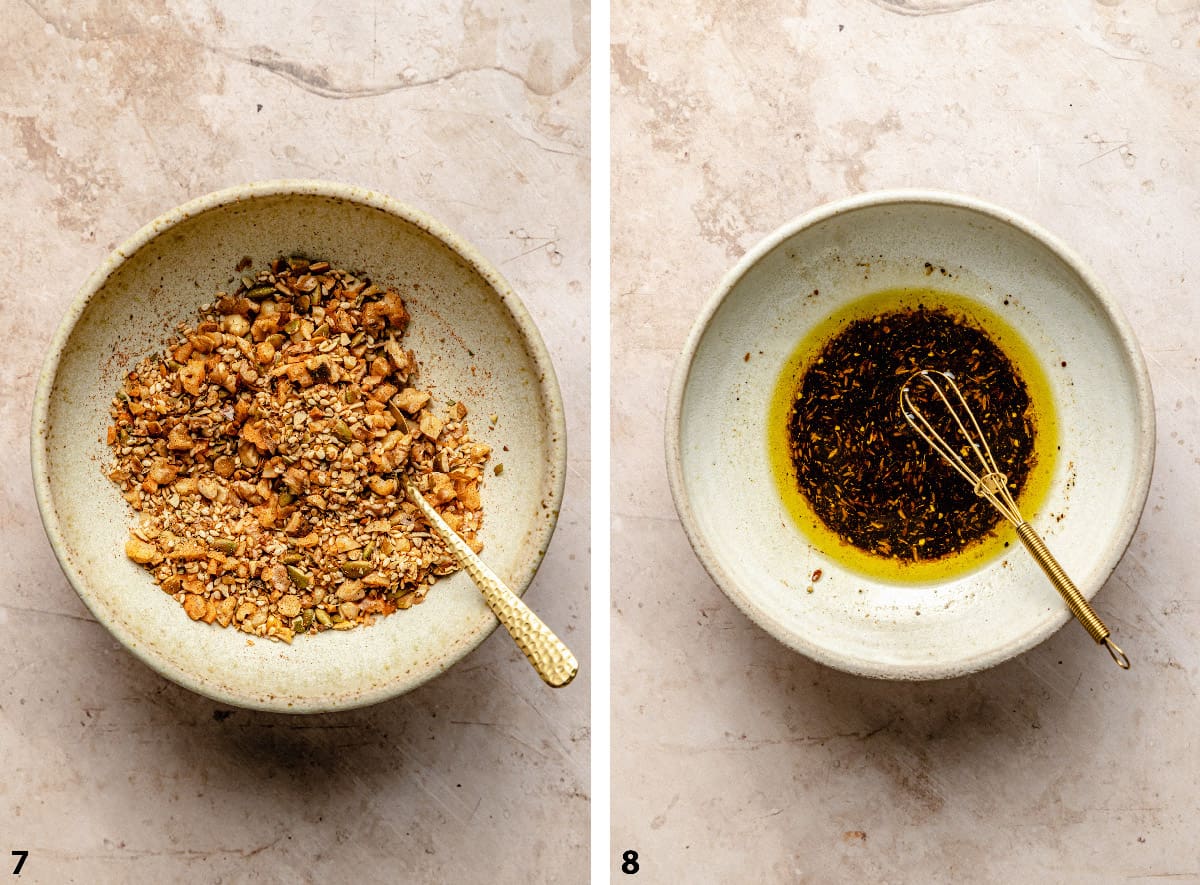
pixel 553 661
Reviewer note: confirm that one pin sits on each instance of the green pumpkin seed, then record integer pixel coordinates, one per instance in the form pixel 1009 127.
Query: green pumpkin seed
pixel 299 578
pixel 356 568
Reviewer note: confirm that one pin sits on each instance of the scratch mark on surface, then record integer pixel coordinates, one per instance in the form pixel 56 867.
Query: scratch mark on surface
pixel 317 80
pixel 532 249
pixel 48 612
pixel 504 731
pixel 1104 154
pixel 926 7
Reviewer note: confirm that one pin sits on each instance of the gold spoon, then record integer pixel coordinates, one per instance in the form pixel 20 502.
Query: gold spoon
pixel 549 656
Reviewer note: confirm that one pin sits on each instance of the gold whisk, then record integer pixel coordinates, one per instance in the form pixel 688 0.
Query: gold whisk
pixel 992 484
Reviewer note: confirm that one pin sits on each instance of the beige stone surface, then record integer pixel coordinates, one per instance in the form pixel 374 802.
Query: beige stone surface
pixel 736 760
pixel 110 113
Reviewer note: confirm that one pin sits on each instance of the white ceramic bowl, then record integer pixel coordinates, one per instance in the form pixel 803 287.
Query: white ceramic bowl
pixel 717 441
pixel 475 342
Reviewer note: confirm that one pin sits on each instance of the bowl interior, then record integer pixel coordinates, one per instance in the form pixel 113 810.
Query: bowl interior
pixel 726 493
pixel 475 344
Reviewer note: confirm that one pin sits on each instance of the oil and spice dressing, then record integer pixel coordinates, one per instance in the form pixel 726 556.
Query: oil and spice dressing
pixel 854 476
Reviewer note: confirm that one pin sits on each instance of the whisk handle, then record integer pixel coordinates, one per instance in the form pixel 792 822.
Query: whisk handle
pixel 1079 606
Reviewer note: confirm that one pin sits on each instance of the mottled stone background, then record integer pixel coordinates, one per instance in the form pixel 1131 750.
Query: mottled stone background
pixel 736 760
pixel 113 112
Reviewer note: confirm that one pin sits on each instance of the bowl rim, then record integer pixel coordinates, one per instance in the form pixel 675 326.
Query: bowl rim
pixel 727 582
pixel 547 381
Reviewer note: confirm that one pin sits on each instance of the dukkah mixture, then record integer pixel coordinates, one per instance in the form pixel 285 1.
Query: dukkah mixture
pixel 865 473
pixel 260 450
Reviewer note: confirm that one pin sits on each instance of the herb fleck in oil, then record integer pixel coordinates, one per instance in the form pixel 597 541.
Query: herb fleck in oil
pixel 854 476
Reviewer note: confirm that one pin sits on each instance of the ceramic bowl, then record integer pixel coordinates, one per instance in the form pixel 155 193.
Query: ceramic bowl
pixel 717 450
pixel 474 341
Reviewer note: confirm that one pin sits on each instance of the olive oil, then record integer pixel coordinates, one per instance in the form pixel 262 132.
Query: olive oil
pixel 857 482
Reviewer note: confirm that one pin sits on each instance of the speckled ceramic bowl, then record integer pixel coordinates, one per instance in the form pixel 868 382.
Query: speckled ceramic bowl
pixel 717 449
pixel 475 342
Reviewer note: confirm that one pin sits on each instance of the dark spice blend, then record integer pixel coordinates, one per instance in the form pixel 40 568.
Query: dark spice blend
pixel 863 470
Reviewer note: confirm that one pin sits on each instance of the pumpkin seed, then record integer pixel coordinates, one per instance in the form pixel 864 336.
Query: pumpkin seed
pixel 356 568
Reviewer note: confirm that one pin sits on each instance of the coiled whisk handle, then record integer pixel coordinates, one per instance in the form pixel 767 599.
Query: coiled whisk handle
pixel 1079 606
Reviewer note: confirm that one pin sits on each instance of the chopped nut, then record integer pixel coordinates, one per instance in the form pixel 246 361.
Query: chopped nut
pixel 289 605
pixel 248 454
pixel 195 606
pixel 141 552
pixel 178 439
pixel 350 591
pixel 258 435
pixel 411 400
pixel 188 551
pixel 225 610
pixel 431 425
pixel 236 325
pixel 277 578
pixel 162 472
pixel 382 487
pixel 441 490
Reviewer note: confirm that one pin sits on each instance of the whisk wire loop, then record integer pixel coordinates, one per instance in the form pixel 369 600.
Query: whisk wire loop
pixel 991 483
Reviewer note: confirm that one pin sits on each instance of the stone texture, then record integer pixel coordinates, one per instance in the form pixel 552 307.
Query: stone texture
pixel 736 760
pixel 111 113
